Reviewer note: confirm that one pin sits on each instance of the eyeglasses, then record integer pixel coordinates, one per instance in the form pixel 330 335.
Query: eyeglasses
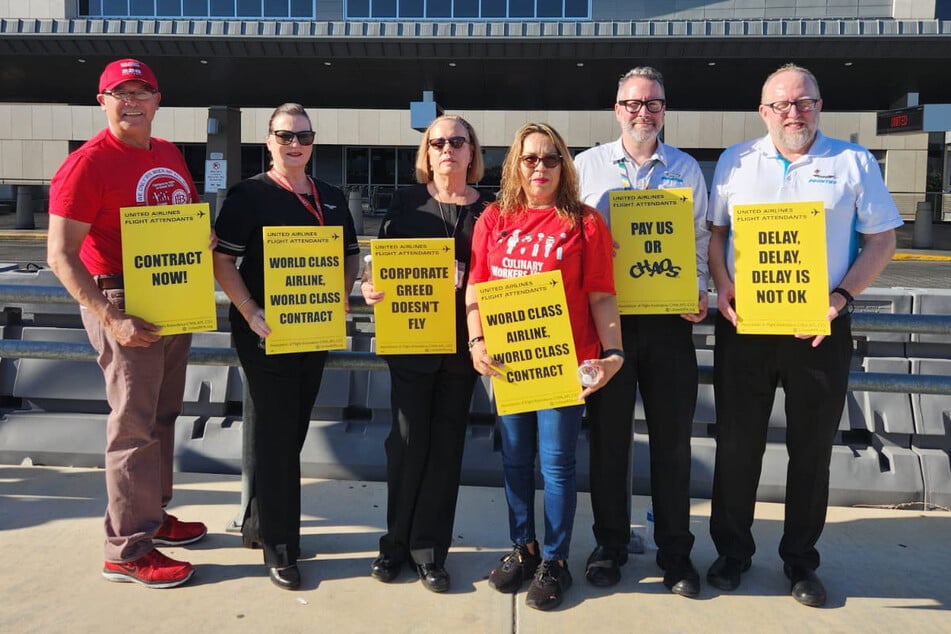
pixel 806 104
pixel 633 106
pixel 286 137
pixel 142 94
pixel 455 142
pixel 550 161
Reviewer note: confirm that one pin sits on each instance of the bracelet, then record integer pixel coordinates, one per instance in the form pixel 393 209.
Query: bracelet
pixel 474 341
pixel 611 351
pixel 849 300
pixel 243 302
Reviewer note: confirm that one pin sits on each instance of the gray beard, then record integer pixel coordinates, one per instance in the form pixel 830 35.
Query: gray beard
pixel 639 136
pixel 797 140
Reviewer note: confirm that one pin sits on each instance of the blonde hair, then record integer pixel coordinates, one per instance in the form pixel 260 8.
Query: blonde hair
pixel 512 198
pixel 476 168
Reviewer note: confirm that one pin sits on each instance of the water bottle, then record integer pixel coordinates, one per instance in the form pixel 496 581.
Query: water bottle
pixel 368 269
pixel 588 374
pixel 650 526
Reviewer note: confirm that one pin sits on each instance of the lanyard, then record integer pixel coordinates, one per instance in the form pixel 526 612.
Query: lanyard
pixel 626 180
pixel 281 180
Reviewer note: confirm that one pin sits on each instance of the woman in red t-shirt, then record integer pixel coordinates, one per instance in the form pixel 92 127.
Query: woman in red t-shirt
pixel 540 224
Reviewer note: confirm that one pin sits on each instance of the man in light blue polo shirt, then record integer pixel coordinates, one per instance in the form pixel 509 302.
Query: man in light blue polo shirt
pixel 794 162
pixel 659 350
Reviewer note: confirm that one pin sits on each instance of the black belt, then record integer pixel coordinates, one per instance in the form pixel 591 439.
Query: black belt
pixel 108 282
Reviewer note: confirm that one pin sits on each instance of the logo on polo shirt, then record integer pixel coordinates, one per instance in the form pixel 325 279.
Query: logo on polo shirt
pixel 823 179
pixel 672 176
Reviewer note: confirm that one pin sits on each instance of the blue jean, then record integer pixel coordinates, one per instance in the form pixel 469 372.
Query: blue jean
pixel 553 435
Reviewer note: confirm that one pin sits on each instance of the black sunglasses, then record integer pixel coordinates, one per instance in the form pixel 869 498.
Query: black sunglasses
pixel 286 137
pixel 549 161
pixel 455 141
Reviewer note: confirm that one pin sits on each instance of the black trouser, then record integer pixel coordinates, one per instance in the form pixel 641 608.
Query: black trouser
pixel 424 455
pixel 747 369
pixel 283 388
pixel 660 357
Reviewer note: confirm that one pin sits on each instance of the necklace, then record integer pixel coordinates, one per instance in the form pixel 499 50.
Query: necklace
pixel 445 223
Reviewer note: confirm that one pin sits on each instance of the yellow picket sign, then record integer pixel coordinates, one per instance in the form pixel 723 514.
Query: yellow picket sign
pixel 781 269
pixel 418 312
pixel 526 326
pixel 655 268
pixel 304 289
pixel 167 268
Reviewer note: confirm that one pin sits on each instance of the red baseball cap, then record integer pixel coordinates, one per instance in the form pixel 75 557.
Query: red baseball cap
pixel 126 70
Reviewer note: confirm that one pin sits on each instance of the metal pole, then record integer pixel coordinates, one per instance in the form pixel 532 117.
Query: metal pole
pixel 25 218
pixel 923 236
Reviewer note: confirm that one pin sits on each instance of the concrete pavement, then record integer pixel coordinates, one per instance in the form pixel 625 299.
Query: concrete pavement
pixel 886 570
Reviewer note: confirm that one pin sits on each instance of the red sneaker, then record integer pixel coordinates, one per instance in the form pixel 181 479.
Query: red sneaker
pixel 173 532
pixel 152 569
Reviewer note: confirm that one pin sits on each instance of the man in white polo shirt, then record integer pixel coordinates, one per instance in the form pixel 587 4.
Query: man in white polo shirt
pixel 793 162
pixel 659 350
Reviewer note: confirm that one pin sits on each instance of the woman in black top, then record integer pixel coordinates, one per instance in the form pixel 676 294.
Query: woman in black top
pixel 283 387
pixel 430 394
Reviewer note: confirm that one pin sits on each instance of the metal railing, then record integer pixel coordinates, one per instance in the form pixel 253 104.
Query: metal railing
pixel 12 295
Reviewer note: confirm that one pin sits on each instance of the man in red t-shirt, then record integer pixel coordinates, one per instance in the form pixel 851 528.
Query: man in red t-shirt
pixel 124 166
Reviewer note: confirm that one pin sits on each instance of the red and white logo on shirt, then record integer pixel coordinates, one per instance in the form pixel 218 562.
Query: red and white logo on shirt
pixel 162 186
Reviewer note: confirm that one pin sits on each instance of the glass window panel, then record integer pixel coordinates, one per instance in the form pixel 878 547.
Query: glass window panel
pixel 493 158
pixel 142 8
pixel 302 9
pixel 406 166
pixel 222 8
pixel 358 8
pixel 576 9
pixel 275 8
pixel 466 8
pixel 115 7
pixel 384 8
pixel 493 8
pixel 249 8
pixel 90 7
pixel 382 166
pixel 411 8
pixel 358 166
pixel 197 8
pixel 549 8
pixel 439 8
pixel 168 8
pixel 521 8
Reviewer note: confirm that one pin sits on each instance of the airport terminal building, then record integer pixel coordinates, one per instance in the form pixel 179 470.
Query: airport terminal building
pixel 358 65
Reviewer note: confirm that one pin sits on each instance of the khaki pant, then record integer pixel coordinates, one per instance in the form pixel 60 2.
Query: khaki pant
pixel 144 387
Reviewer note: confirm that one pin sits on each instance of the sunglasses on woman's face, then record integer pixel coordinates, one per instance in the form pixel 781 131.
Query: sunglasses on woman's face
pixel 455 141
pixel 550 161
pixel 286 137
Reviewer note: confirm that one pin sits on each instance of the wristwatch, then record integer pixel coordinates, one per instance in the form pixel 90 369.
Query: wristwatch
pixel 849 300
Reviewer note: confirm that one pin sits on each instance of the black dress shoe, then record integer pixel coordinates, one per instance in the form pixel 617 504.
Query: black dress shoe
pixel 604 566
pixel 434 577
pixel 385 569
pixel 725 572
pixel 680 577
pixel 806 586
pixel 287 578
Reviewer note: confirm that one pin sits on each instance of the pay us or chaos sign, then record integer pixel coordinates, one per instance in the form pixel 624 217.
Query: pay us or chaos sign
pixel 655 268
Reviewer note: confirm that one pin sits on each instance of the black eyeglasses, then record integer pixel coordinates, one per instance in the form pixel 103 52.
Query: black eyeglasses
pixel 806 104
pixel 455 142
pixel 549 160
pixel 142 94
pixel 286 137
pixel 633 106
